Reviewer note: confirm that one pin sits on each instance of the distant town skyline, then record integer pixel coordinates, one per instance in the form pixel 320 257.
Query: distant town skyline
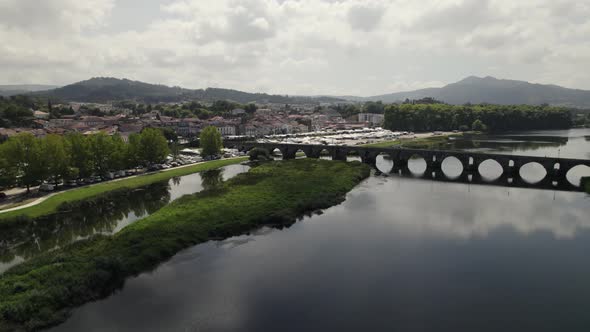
pixel 302 47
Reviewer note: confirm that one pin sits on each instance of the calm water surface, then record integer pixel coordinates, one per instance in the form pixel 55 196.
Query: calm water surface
pixel 399 254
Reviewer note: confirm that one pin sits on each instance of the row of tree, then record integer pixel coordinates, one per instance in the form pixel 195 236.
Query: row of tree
pixel 27 161
pixel 430 117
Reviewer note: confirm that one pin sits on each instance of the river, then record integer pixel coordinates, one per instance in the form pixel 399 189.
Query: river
pixel 401 253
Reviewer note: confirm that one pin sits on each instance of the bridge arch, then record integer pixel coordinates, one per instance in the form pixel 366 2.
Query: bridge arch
pixel 384 162
pixel 490 170
pixel 452 167
pixel 532 172
pixel 575 174
pixel 417 164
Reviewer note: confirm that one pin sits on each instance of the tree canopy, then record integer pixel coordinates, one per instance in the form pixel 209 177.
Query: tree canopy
pixel 430 117
pixel 211 141
pixel 27 161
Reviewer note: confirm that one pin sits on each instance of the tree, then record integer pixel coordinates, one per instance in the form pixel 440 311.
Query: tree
pixel 259 154
pixel 134 155
pixel 78 148
pixel 154 147
pixel 170 134
pixel 211 142
pixel 175 150
pixel 101 147
pixel 56 158
pixel 118 158
pixel 250 108
pixel 24 155
pixel 7 168
pixel 478 125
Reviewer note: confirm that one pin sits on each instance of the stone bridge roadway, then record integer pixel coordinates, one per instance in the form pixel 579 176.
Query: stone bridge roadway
pixel 556 168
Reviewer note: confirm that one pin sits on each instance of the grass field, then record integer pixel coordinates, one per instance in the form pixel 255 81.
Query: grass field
pixel 52 204
pixel 41 292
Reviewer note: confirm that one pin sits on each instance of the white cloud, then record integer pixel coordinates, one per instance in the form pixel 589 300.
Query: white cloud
pixel 299 46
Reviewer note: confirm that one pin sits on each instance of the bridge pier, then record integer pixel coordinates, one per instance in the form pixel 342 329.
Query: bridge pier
pixel 288 153
pixel 339 154
pixel 400 164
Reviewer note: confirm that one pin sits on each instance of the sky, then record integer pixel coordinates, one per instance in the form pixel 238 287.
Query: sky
pixel 296 47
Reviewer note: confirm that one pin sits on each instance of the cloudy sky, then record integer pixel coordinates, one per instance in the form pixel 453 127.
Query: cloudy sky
pixel 356 47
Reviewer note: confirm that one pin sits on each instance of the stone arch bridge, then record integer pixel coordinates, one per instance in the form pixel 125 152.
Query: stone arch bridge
pixel 556 168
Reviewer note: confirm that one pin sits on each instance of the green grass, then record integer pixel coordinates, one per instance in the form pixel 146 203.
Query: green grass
pixel 41 292
pixel 52 204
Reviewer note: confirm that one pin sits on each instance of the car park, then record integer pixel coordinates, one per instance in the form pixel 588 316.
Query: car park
pixel 46 187
pixel 71 183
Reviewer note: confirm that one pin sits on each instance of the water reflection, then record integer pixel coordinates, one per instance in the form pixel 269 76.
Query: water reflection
pixel 398 254
pixel 105 215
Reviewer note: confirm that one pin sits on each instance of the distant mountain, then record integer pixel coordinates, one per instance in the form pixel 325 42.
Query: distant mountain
pixel 17 89
pixel 491 90
pixel 105 89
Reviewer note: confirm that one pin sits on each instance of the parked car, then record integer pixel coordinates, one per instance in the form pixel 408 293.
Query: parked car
pixel 109 176
pixel 71 183
pixel 46 187
pixel 3 196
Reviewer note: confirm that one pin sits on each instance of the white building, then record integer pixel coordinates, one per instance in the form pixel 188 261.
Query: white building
pixel 227 130
pixel 372 118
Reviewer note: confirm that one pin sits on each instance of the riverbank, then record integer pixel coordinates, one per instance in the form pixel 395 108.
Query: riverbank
pixel 50 204
pixel 42 291
pixel 425 140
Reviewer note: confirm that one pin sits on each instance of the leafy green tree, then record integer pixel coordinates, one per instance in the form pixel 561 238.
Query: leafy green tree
pixel 78 147
pixel 175 150
pixel 134 154
pixel 478 125
pixel 8 169
pixel 101 147
pixel 259 154
pixel 57 160
pixel 170 134
pixel 250 108
pixel 24 155
pixel 118 158
pixel 211 141
pixel 154 147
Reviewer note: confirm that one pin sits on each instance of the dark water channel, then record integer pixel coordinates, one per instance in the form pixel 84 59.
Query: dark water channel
pixel 400 254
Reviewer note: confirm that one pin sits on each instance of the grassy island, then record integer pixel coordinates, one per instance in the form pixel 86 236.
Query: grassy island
pixel 41 292
pixel 52 204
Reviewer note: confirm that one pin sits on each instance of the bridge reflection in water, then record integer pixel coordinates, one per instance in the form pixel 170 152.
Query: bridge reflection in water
pixel 556 168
